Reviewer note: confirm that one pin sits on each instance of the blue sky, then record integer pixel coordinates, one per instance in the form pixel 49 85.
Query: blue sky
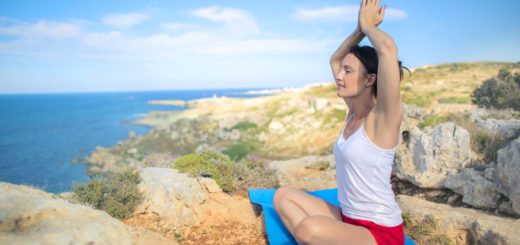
pixel 79 46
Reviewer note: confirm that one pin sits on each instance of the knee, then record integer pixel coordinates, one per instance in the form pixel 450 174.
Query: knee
pixel 279 195
pixel 308 229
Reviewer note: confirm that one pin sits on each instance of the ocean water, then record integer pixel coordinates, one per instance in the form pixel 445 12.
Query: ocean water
pixel 41 135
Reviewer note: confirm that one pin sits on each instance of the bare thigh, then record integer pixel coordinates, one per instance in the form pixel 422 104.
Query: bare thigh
pixel 323 223
pixel 320 229
pixel 310 204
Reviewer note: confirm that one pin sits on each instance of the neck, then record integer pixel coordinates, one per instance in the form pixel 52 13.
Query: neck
pixel 360 106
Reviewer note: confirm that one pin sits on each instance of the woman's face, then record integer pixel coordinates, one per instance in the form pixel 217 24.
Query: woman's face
pixel 351 78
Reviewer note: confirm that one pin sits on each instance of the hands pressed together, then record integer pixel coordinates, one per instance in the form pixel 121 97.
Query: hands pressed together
pixel 370 15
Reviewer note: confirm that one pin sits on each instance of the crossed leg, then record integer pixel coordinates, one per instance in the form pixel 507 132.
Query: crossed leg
pixel 312 220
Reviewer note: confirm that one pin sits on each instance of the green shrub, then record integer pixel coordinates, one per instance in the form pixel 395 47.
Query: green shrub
pixel 489 142
pixel 432 120
pixel 242 149
pixel 208 164
pixel 501 92
pixel 455 100
pixel 251 173
pixel 92 192
pixel 244 125
pixel 321 165
pixel 418 100
pixel 117 194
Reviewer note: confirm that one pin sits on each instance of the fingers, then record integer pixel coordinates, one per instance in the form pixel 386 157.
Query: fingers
pixel 382 11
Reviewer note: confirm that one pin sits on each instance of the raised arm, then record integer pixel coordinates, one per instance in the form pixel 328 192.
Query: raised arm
pixel 388 105
pixel 341 52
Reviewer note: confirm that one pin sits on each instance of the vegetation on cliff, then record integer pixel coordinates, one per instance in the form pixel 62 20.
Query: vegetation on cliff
pixel 117 194
pixel 500 92
pixel 229 175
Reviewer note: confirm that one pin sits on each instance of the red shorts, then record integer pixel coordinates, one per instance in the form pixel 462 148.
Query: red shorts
pixel 388 235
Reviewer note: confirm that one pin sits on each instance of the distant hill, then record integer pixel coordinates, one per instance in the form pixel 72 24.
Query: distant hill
pixel 440 88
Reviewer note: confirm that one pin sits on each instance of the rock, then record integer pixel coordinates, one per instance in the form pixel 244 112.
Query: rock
pixel 507 128
pixel 305 172
pixel 507 207
pixel 452 199
pixel 490 172
pixel 276 126
pixel 476 190
pixel 429 156
pixel 171 195
pixel 320 104
pixel 132 151
pixel 413 111
pixel 508 172
pixel 210 185
pixel 31 216
pixel 462 225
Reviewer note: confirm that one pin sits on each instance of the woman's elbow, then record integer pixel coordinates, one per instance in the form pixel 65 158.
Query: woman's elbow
pixel 388 47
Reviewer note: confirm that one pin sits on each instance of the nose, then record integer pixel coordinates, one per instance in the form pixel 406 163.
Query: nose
pixel 339 76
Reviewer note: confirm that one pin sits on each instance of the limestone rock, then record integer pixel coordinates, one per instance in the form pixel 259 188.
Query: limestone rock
pixel 210 185
pixel 475 189
pixel 173 196
pixel 429 156
pixel 31 216
pixel 508 172
pixel 508 128
pixel 462 225
pixel 310 173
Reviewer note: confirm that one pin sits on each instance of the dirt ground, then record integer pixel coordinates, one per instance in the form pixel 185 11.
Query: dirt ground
pixel 232 219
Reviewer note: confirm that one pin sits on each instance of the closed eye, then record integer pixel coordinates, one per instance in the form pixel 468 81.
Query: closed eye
pixel 347 69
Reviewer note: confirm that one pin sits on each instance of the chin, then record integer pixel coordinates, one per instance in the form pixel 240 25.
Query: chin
pixel 340 94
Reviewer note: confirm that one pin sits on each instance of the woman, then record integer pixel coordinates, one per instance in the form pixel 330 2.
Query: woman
pixel 368 80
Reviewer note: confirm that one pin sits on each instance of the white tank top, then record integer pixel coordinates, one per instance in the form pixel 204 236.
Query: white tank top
pixel 363 174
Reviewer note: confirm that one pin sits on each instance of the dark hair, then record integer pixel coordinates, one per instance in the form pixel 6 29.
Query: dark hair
pixel 368 57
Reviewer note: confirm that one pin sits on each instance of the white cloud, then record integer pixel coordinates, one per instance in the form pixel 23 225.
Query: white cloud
pixel 124 20
pixel 50 29
pixel 343 13
pixel 235 33
pixel 234 18
pixel 347 12
pixel 176 26
pixel 395 14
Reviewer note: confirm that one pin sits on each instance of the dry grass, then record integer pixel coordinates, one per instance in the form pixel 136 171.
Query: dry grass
pixel 424 231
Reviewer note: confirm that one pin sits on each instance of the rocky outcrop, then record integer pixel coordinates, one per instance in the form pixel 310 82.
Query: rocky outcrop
pixel 31 216
pixel 508 128
pixel 464 226
pixel 310 173
pixel 476 190
pixel 508 172
pixel 429 156
pixel 173 196
pixel 195 209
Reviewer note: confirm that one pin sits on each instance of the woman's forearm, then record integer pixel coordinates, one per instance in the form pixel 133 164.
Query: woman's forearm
pixel 382 42
pixel 337 56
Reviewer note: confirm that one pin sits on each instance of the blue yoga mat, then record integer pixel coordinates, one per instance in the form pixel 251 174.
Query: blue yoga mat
pixel 276 231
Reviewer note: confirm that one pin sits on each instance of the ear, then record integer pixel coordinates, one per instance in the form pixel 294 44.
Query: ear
pixel 371 80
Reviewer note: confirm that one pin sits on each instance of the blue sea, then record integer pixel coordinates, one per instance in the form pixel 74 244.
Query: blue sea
pixel 42 135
